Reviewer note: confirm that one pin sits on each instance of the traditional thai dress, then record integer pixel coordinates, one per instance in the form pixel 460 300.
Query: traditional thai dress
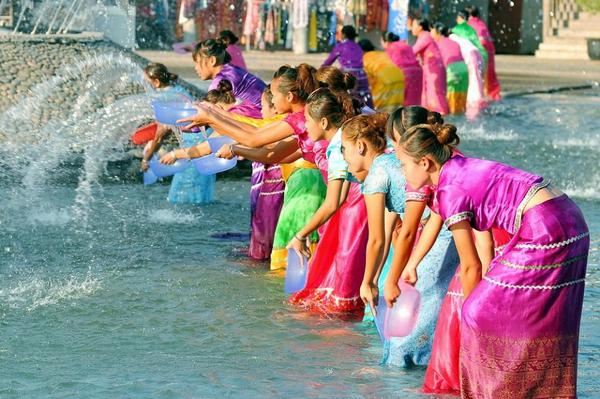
pixel 465 30
pixel 245 85
pixel 435 270
pixel 337 266
pixel 457 75
pixel 402 55
pixel 350 57
pixel 520 325
pixel 386 80
pixel 433 96
pixel 237 59
pixel 266 198
pixel 475 97
pixel 492 86
pixel 304 193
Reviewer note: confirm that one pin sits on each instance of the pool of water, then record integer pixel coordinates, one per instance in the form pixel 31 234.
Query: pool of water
pixel 127 295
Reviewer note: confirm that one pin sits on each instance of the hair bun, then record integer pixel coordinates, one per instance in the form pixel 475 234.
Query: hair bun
pixel 224 86
pixel 446 134
pixel 434 118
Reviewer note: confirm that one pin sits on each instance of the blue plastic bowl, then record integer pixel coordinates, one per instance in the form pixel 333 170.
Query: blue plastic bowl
pixel 168 112
pixel 149 177
pixel 216 143
pixel 295 273
pixel 164 170
pixel 210 164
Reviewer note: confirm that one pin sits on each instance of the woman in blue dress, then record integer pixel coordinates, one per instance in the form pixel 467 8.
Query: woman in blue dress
pixel 384 187
pixel 189 186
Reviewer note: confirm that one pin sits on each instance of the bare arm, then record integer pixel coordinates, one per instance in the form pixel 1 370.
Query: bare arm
pixel 426 240
pixel 327 208
pixel 267 155
pixel 484 242
pixel 470 265
pixel 376 219
pixel 403 248
pixel 250 136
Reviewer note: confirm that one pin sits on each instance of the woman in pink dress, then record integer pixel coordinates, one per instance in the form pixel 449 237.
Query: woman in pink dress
pixel 492 86
pixel 520 322
pixel 402 55
pixel 433 96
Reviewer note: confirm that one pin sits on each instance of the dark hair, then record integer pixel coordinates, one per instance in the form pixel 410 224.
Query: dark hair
pixel 267 92
pixel 228 37
pixel 404 118
pixel 335 106
pixel 160 72
pixel 349 32
pixel 441 28
pixel 473 11
pixel 222 94
pixel 423 22
pixel 437 140
pixel 367 127
pixel 335 79
pixel 389 37
pixel 299 81
pixel 464 14
pixel 212 48
pixel 366 45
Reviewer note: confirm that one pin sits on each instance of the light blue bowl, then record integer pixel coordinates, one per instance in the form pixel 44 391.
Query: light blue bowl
pixel 296 272
pixel 164 170
pixel 210 164
pixel 149 177
pixel 216 143
pixel 168 112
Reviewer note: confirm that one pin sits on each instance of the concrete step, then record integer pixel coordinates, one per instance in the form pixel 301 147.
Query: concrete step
pixel 585 24
pixel 562 44
pixel 580 33
pixel 562 54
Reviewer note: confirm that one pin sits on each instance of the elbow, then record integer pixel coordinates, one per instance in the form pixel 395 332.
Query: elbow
pixel 470 271
pixel 375 244
pixel 407 235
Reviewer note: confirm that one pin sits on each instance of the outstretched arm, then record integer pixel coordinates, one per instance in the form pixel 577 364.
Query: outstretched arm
pixel 268 155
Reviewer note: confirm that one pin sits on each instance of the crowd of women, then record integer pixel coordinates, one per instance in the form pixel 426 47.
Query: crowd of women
pixel 498 254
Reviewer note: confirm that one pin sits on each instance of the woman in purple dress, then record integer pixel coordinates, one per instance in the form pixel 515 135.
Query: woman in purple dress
pixel 520 322
pixel 350 57
pixel 212 61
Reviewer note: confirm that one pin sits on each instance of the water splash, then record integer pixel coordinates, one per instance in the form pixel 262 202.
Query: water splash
pixel 35 292
pixel 59 124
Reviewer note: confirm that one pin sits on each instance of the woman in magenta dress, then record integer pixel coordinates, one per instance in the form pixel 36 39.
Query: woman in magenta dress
pixel 230 39
pixel 434 74
pixel 212 61
pixel 337 266
pixel 350 56
pixel 492 86
pixel 520 322
pixel 403 56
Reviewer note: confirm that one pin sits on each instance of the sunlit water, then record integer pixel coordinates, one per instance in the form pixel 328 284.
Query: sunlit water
pixel 138 300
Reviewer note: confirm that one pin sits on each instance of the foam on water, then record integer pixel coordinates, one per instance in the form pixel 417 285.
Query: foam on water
pixel 172 216
pixel 36 292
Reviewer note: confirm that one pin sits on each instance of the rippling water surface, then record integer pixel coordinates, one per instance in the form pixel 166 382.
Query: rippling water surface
pixel 135 299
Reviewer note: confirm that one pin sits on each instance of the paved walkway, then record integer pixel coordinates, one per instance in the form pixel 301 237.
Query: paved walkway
pixel 517 73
